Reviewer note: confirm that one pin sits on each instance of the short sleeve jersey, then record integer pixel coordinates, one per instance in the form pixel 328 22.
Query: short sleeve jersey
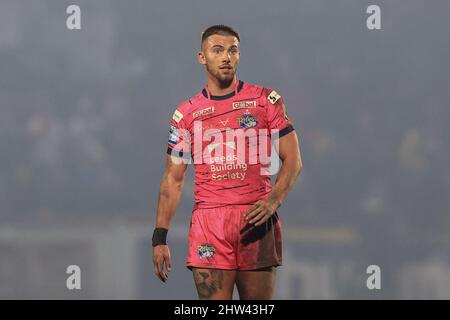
pixel 230 140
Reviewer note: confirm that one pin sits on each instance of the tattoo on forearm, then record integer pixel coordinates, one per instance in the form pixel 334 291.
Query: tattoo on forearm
pixel 164 193
pixel 208 282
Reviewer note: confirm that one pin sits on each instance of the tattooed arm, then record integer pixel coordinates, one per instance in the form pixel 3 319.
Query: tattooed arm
pixel 169 192
pixel 169 197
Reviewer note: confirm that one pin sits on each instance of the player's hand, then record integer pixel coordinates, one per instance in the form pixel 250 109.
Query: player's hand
pixel 161 258
pixel 261 211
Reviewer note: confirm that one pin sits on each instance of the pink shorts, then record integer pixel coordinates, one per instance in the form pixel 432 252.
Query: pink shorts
pixel 221 238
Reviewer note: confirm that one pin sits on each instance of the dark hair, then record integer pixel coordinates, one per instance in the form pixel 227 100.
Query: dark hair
pixel 219 29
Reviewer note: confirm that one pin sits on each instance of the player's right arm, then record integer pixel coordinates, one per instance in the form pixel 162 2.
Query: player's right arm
pixel 171 186
pixel 170 190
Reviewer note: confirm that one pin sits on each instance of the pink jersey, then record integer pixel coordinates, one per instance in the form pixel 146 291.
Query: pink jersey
pixel 228 139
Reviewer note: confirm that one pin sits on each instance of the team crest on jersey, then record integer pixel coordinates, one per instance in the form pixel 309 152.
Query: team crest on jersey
pixel 273 97
pixel 244 104
pixel 173 135
pixel 247 120
pixel 203 112
pixel 205 250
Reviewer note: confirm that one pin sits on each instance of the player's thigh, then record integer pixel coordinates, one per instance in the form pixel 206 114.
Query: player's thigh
pixel 256 284
pixel 214 284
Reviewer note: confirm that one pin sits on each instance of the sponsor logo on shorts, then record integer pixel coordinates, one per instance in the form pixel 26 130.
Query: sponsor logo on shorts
pixel 247 120
pixel 205 250
pixel 203 112
pixel 244 104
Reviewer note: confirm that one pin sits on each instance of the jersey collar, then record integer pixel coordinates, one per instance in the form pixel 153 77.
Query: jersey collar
pixel 208 95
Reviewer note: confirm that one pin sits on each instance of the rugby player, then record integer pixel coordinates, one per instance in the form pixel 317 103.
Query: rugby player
pixel 235 230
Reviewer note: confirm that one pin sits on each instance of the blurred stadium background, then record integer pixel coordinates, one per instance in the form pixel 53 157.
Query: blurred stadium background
pixel 83 130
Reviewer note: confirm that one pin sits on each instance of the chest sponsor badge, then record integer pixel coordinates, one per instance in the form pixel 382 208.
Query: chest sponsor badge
pixel 244 104
pixel 205 250
pixel 203 112
pixel 247 121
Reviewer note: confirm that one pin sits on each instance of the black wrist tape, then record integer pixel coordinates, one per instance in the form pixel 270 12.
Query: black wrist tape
pixel 159 236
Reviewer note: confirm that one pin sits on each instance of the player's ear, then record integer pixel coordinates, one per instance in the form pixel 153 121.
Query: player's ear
pixel 201 58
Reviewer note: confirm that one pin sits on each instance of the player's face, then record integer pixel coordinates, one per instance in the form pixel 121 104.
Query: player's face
pixel 220 55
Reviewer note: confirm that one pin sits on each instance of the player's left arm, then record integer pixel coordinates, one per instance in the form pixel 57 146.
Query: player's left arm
pixel 289 152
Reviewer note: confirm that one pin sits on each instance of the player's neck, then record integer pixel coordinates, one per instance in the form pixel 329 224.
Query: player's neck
pixel 217 88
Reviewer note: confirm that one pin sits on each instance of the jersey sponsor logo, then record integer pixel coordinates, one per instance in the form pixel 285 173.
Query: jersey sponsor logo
pixel 205 250
pixel 273 97
pixel 203 112
pixel 173 135
pixel 177 116
pixel 244 104
pixel 250 145
pixel 224 122
pixel 212 127
pixel 222 125
pixel 215 145
pixel 247 120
